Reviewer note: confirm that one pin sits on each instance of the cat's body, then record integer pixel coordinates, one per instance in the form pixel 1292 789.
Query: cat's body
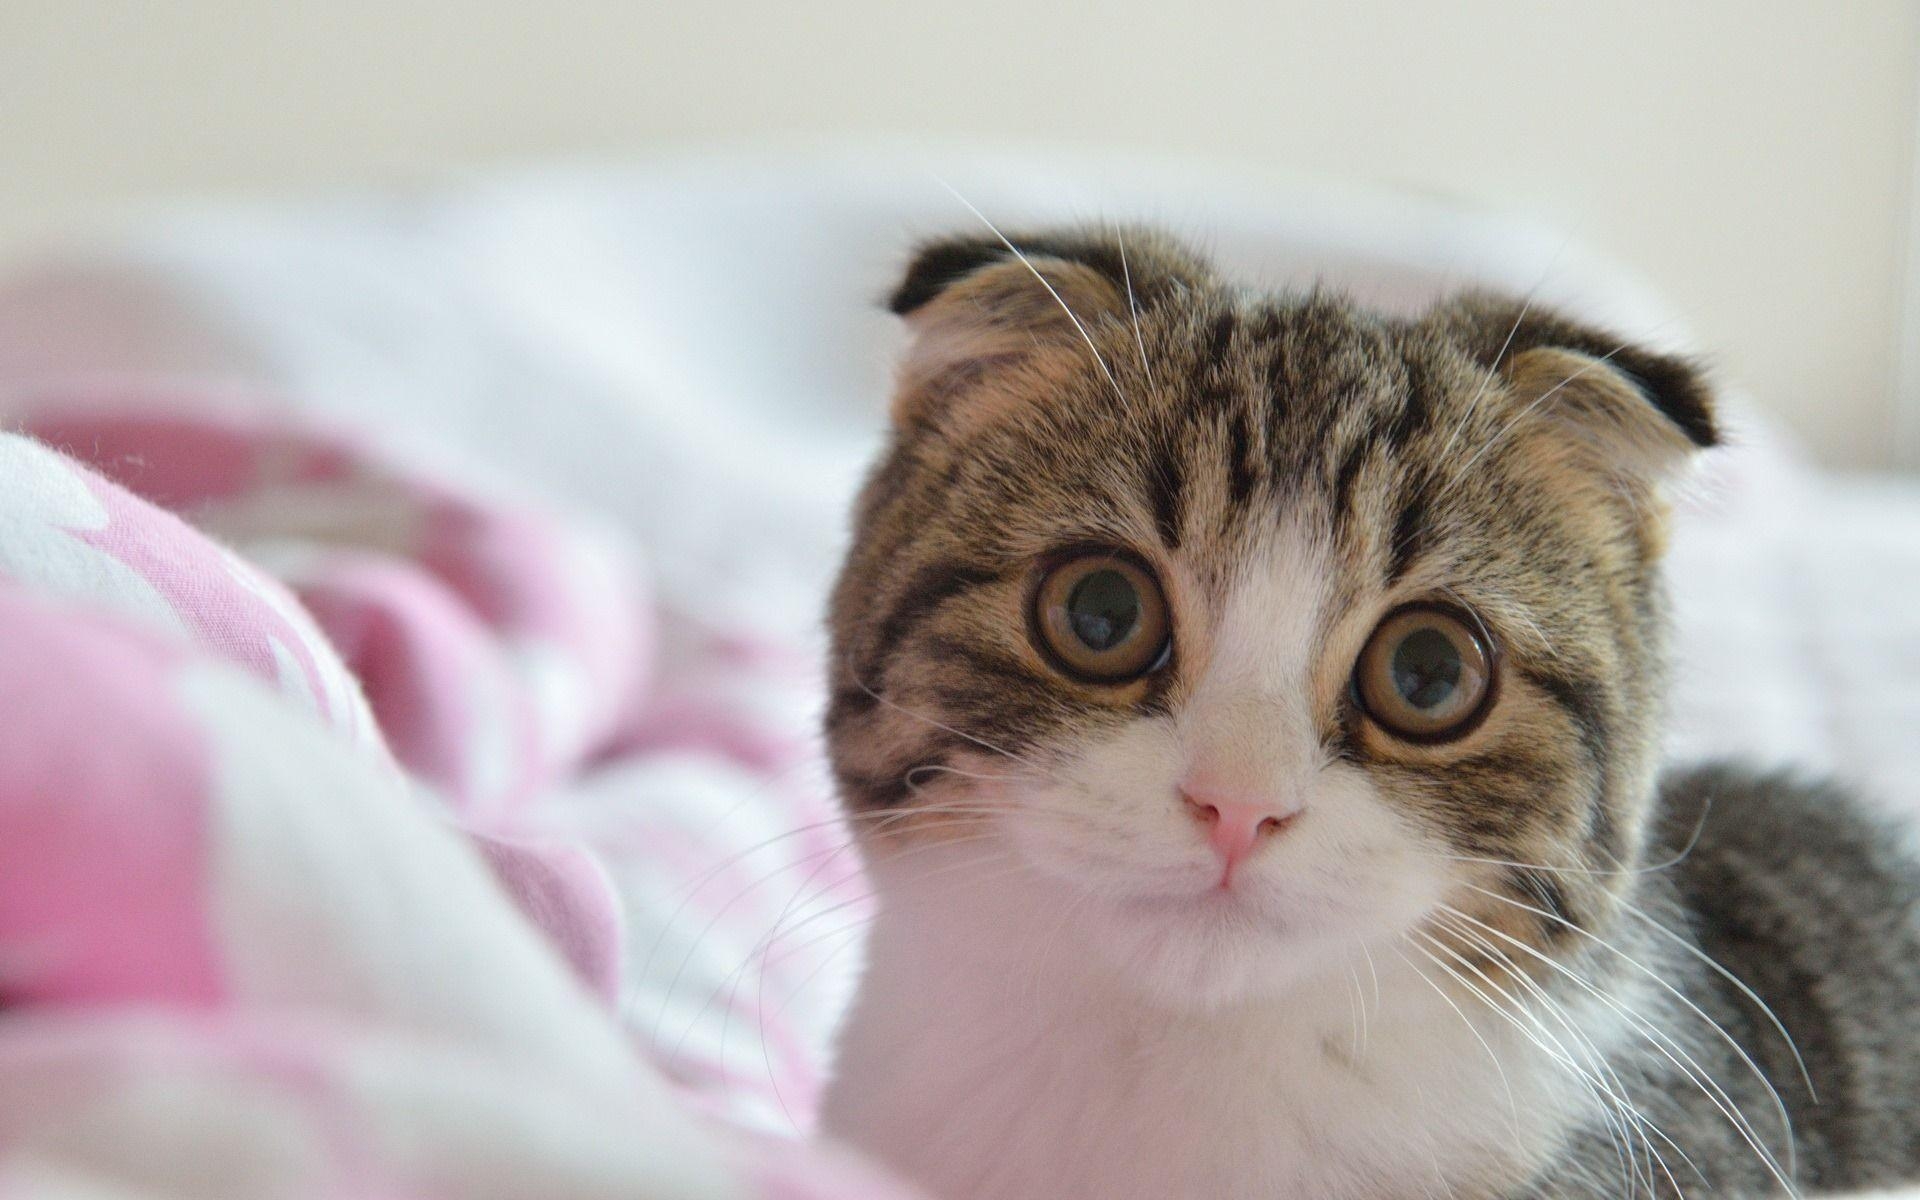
pixel 1250 708
pixel 1812 905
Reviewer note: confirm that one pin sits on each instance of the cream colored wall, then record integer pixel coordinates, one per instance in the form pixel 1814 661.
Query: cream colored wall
pixel 1754 158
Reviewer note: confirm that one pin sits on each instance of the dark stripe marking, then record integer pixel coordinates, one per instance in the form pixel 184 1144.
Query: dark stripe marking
pixel 1242 473
pixel 1544 892
pixel 1219 339
pixel 983 661
pixel 929 588
pixel 1409 533
pixel 1164 485
pixel 1411 418
pixel 1345 478
pixel 849 703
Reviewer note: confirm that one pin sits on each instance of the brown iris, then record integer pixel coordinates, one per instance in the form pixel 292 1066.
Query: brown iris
pixel 1100 616
pixel 1426 674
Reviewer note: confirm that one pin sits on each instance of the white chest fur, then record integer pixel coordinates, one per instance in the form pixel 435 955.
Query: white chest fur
pixel 989 1057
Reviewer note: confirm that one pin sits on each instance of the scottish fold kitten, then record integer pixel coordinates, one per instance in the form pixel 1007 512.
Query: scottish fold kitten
pixel 1249 705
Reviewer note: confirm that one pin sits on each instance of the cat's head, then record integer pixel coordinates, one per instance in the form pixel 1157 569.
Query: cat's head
pixel 1266 625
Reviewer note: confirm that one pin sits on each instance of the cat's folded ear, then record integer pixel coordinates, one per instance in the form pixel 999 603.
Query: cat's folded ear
pixel 1640 412
pixel 993 319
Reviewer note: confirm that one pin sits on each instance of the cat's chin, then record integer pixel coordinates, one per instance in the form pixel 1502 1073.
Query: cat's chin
pixel 1213 949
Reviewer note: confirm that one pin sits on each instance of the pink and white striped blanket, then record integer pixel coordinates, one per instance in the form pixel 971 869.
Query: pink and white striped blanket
pixel 287 904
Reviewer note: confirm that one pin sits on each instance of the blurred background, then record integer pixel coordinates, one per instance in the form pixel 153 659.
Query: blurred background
pixel 1755 161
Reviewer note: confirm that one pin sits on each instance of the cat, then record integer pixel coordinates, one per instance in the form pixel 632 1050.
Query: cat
pixel 1249 704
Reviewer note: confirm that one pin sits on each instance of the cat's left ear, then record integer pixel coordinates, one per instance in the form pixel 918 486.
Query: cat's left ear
pixel 998 322
pixel 1643 413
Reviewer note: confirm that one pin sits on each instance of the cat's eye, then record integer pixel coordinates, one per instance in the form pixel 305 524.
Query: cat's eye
pixel 1426 674
pixel 1101 617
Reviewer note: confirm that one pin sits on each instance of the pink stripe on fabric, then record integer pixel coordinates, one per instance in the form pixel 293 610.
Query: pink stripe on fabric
pixel 562 888
pixel 198 580
pixel 103 816
pixel 425 663
pixel 182 461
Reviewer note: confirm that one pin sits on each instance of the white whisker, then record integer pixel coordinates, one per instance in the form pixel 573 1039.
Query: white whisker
pixel 1673 860
pixel 1737 982
pixel 1134 308
pixel 1723 1101
pixel 731 981
pixel 1035 271
pixel 1513 1106
pixel 1486 381
pixel 1615 1090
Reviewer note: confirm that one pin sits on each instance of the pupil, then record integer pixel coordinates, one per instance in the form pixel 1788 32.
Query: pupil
pixel 1103 608
pixel 1426 668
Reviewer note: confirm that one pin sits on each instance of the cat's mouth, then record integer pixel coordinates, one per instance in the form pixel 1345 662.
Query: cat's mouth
pixel 1205 902
pixel 1187 888
pixel 1218 914
pixel 1262 908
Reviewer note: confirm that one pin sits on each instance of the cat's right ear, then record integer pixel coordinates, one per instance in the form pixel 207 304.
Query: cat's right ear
pixel 1639 412
pixel 995 320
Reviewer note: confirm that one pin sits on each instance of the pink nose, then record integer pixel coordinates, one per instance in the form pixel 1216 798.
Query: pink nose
pixel 1235 827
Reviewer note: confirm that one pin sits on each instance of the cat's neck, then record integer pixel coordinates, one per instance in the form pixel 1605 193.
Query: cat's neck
pixel 992 1052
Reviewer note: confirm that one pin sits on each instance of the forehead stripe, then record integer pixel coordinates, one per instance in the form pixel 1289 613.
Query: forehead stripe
pixel 1242 469
pixel 1165 481
pixel 1349 473
pixel 1409 532
pixel 1220 339
pixel 1414 411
